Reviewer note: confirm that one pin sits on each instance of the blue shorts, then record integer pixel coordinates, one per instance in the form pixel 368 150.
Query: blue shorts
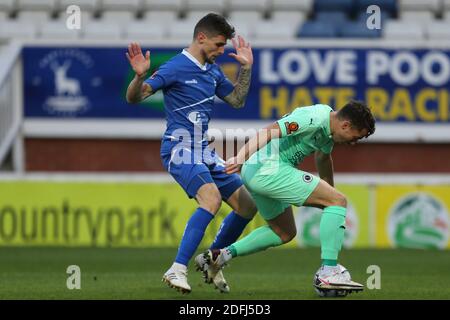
pixel 194 167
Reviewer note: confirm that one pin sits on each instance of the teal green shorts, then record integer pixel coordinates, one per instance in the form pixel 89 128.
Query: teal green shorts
pixel 275 185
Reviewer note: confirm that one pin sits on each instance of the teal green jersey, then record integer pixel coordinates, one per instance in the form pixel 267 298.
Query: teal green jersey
pixel 303 131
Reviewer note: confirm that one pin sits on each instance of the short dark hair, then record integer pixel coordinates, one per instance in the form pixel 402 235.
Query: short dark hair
pixel 214 25
pixel 359 116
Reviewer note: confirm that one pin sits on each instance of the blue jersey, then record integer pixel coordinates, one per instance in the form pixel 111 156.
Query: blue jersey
pixel 189 91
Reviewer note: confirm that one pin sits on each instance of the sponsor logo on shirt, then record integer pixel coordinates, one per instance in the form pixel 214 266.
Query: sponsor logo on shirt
pixel 195 117
pixel 291 127
pixel 193 81
pixel 297 157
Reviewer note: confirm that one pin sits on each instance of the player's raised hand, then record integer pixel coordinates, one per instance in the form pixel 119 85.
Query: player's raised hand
pixel 243 52
pixel 232 166
pixel 138 62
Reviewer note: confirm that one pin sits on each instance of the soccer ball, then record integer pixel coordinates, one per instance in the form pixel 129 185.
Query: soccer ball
pixel 333 293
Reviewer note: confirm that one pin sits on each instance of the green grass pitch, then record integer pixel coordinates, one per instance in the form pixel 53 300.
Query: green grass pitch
pixel 40 273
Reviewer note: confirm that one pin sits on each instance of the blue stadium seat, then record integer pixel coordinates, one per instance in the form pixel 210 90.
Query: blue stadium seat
pixel 333 5
pixel 357 29
pixel 331 16
pixel 317 29
pixel 363 15
pixel 389 6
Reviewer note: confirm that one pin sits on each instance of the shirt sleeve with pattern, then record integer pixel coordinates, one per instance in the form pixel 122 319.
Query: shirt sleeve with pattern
pixel 299 121
pixel 224 86
pixel 162 78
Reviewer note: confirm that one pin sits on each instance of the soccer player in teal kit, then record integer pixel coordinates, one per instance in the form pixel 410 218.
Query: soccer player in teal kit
pixel 269 171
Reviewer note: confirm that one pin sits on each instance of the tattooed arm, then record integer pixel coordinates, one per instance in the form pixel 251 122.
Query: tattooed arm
pixel 237 97
pixel 244 56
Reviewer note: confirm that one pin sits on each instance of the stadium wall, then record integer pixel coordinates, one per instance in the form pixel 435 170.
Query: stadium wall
pixel 136 210
pixel 386 209
pixel 412 134
pixel 118 155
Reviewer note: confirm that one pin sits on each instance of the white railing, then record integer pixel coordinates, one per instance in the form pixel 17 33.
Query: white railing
pixel 11 109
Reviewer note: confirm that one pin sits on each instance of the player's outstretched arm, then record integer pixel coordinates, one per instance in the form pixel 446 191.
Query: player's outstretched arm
pixel 255 143
pixel 244 56
pixel 324 164
pixel 137 89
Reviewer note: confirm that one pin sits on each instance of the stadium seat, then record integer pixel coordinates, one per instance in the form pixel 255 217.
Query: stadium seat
pixel 85 5
pixel 121 5
pixel 4 16
pixel 335 5
pixel 7 5
pixel 438 30
pixel 35 17
pixel 357 29
pixel 121 17
pixel 176 5
pixel 253 5
pixel 86 16
pixel 143 31
pixel 243 29
pixel 403 31
pixel 363 16
pixel 389 6
pixel 58 30
pixel 101 30
pixel 445 5
pixel 17 30
pixel 274 31
pixel 294 18
pixel 163 17
pixel 332 16
pixel 196 15
pixel 44 5
pixel 181 30
pixel 207 5
pixel 250 17
pixel 417 16
pixel 314 29
pixel 419 5
pixel 300 5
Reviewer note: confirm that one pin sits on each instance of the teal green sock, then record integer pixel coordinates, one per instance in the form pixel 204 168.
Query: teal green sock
pixel 332 228
pixel 232 251
pixel 328 262
pixel 258 240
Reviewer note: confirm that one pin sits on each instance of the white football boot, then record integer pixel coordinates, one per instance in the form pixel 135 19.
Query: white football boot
pixel 211 266
pixel 331 278
pixel 176 277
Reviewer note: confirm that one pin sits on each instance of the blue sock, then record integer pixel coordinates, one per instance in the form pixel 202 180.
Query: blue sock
pixel 230 230
pixel 193 235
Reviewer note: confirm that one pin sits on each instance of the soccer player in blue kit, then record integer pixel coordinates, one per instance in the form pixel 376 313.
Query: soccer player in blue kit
pixel 190 81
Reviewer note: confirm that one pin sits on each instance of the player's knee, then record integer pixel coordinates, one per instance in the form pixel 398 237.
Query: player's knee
pixel 288 235
pixel 212 203
pixel 250 210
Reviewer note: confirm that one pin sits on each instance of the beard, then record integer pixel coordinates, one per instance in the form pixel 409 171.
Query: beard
pixel 210 60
